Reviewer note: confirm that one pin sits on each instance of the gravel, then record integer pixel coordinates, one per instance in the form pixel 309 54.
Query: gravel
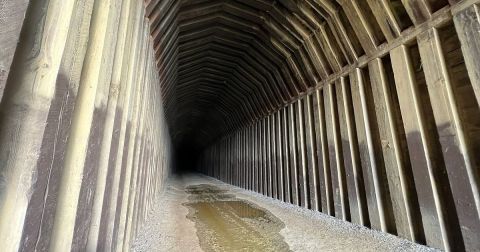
pixel 168 229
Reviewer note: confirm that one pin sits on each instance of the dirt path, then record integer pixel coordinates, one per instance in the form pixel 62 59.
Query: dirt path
pixel 198 213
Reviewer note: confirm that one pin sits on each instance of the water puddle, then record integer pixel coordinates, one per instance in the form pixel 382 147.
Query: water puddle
pixel 225 223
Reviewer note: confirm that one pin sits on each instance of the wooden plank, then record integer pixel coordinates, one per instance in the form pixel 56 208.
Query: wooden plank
pixel 326 194
pixel 302 155
pixel 343 37
pixel 24 110
pixel 251 155
pixel 265 158
pixel 467 24
pixel 418 10
pixel 12 14
pixel 293 153
pixel 286 156
pixel 254 158
pixel 360 25
pixel 353 171
pixel 280 164
pixel 311 149
pixel 40 211
pixel 119 57
pixel 340 193
pixel 329 50
pixel 385 18
pixel 457 154
pixel 268 153
pixel 260 157
pixel 399 174
pixel 373 183
pixel 273 150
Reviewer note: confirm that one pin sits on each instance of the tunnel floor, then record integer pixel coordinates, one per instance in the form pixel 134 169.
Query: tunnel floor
pixel 199 213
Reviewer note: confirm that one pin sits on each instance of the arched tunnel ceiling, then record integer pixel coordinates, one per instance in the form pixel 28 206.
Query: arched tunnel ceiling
pixel 226 63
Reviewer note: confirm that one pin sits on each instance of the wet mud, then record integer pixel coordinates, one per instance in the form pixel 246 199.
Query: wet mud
pixel 225 223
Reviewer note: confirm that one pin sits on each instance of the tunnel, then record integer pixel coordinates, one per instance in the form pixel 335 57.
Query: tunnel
pixel 363 113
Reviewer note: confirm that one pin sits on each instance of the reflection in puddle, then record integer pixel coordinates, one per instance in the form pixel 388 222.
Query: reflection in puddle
pixel 225 223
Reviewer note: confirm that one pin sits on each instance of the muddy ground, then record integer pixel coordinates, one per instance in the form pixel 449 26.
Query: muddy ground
pixel 198 213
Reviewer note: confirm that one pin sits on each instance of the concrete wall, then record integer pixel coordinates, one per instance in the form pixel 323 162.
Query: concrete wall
pixel 84 146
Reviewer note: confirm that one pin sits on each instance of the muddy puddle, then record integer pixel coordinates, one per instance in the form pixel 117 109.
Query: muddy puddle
pixel 225 223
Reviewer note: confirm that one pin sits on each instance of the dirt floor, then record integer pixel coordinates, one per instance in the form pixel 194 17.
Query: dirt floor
pixel 198 213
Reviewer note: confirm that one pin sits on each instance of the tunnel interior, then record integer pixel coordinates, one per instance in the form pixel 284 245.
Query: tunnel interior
pixel 330 105
pixel 364 110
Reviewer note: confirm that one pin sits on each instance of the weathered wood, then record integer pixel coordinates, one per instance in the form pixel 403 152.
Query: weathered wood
pixel 362 27
pixel 280 163
pixel 329 49
pixel 125 229
pixel 418 10
pixel 374 191
pixel 340 193
pixel 385 18
pixel 354 177
pixel 126 105
pixel 302 155
pixel 11 21
pixel 90 171
pixel 427 172
pixel 293 154
pixel 311 148
pixel 457 154
pixel 265 158
pixel 273 154
pixel 41 208
pixel 285 153
pixel 467 24
pixel 24 110
pixel 268 153
pixel 130 171
pixel 399 175
pixel 326 194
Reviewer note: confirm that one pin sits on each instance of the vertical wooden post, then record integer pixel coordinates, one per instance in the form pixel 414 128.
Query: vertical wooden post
pixel 336 156
pixel 24 110
pixel 120 55
pixel 286 160
pixel 302 155
pixel 280 143
pixel 457 154
pixel 311 149
pixel 326 193
pixel 374 191
pixel 273 150
pixel 399 175
pixel 467 24
pixel 293 154
pixel 125 110
pixel 355 185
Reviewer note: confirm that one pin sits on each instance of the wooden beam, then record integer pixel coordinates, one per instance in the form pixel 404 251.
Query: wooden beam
pixel 24 110
pixel 293 153
pixel 340 193
pixel 467 23
pixel 311 149
pixel 375 192
pixel 399 174
pixel 457 153
pixel 302 158
pixel 353 170
pixel 326 194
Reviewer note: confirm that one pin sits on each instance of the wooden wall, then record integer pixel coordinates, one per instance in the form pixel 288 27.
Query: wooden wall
pixel 84 146
pixel 389 139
